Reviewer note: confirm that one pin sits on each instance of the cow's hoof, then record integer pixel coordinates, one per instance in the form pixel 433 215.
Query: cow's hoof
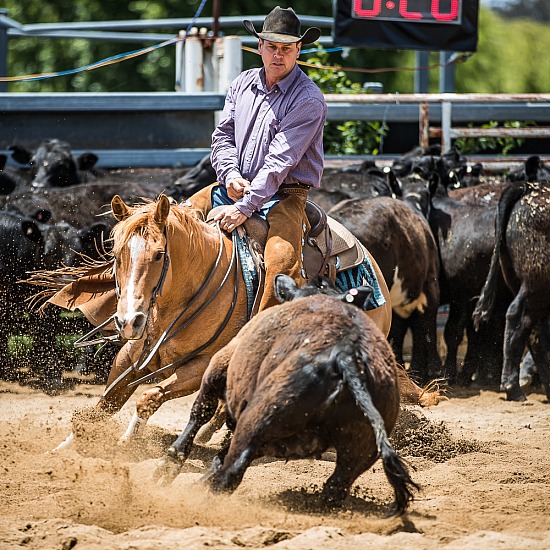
pixel 215 467
pixel 514 393
pixel 333 497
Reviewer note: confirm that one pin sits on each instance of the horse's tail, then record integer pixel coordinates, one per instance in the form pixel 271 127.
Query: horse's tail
pixel 486 301
pixel 352 363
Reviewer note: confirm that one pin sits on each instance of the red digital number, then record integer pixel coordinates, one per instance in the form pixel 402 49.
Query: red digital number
pixel 385 9
pixel 408 14
pixel 438 16
pixel 376 9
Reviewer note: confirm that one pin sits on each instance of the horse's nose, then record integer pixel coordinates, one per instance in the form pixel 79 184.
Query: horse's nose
pixel 131 328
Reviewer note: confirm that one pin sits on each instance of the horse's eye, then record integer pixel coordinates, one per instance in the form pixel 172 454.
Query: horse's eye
pixel 159 256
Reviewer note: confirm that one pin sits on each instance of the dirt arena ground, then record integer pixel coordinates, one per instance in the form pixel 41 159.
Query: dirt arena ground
pixel 482 464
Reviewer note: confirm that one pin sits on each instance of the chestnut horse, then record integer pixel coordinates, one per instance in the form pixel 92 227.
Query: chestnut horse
pixel 180 297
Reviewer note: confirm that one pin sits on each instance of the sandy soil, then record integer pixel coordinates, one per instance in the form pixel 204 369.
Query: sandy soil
pixel 482 464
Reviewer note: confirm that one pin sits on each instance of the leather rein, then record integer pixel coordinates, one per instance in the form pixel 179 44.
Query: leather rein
pixel 172 330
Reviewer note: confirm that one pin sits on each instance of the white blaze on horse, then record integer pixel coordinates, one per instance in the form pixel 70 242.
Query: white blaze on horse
pixel 174 294
pixel 177 296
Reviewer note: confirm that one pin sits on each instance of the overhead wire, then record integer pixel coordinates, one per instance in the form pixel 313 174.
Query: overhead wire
pixel 136 53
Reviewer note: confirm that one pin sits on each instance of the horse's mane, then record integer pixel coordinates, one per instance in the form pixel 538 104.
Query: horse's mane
pixel 141 222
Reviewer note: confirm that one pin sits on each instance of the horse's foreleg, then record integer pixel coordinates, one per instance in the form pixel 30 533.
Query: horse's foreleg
pixel 113 400
pixel 186 380
pixel 206 405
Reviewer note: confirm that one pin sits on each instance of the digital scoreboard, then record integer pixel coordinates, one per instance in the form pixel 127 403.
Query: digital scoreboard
pixel 447 25
pixel 425 11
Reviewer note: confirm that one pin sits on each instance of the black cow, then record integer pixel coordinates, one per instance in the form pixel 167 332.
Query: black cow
pixel 522 253
pixel 311 374
pixel 483 194
pixel 364 180
pixel 397 234
pixel 464 231
pixel 532 170
pixel 425 159
pixel 29 243
pixel 53 164
pixel 10 179
pixel 198 177
pixel 84 204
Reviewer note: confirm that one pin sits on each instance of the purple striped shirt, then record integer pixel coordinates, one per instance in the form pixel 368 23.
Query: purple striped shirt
pixel 270 137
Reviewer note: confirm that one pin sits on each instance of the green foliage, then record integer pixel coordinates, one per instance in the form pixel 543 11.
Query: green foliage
pixel 350 137
pixel 501 145
pixel 151 72
pixel 19 346
pixel 511 58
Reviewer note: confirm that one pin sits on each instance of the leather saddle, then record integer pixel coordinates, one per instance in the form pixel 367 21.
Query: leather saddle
pixel 328 246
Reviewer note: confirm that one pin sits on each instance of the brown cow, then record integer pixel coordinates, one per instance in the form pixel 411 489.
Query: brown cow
pixel 311 374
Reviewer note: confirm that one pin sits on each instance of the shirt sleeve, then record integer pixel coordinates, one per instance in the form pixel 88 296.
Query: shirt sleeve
pixel 295 133
pixel 224 150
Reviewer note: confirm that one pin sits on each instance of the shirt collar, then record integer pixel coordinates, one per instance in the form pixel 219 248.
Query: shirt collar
pixel 289 79
pixel 283 84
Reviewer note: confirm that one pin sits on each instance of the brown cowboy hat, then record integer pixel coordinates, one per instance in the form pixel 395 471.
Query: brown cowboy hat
pixel 282 25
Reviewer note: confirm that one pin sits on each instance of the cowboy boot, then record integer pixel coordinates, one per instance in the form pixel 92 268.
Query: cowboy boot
pixel 283 250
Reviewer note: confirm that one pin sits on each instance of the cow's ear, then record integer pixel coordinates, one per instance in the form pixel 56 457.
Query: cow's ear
pixel 86 161
pixel 31 231
pixel 358 296
pixel 285 288
pixel 94 236
pixel 393 182
pixel 20 154
pixel 42 215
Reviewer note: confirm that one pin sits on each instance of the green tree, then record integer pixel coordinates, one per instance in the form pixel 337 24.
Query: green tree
pixel 512 54
pixel 512 57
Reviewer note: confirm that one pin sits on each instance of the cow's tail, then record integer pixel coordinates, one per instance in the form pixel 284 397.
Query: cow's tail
pixel 352 366
pixel 486 301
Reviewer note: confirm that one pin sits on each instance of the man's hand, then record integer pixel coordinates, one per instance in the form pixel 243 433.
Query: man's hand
pixel 230 217
pixel 237 188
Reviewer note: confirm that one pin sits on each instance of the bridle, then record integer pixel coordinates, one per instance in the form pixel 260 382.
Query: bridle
pixel 158 288
pixel 173 329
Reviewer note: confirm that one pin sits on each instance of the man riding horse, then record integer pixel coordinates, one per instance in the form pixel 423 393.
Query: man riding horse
pixel 267 150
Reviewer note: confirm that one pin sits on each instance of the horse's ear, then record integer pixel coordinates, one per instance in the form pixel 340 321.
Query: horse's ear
pixel 162 210
pixel 285 288
pixel 119 208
